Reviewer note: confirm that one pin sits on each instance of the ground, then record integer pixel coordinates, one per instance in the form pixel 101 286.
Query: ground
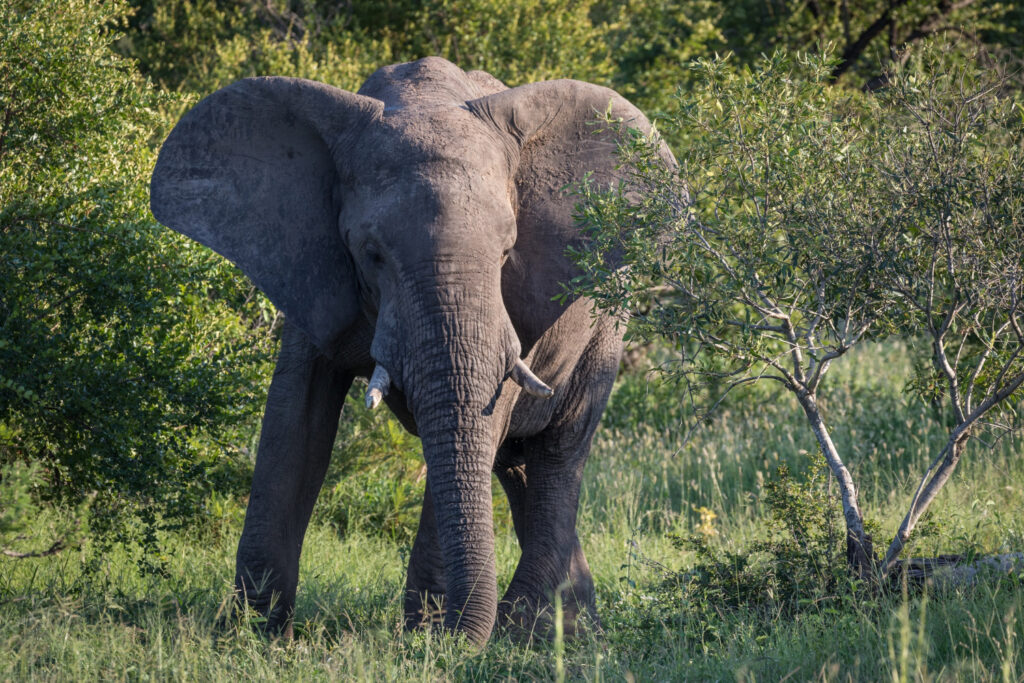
pixel 59 621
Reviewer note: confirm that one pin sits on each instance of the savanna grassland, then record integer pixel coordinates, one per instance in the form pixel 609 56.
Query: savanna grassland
pixel 62 618
pixel 134 365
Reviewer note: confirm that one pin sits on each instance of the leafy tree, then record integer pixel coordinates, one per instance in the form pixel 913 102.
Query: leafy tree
pixel 757 270
pixel 811 220
pixel 641 48
pixel 950 167
pixel 518 42
pixel 871 35
pixel 652 42
pixel 130 359
pixel 200 45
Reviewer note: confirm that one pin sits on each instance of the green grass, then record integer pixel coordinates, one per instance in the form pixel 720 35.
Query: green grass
pixel 59 621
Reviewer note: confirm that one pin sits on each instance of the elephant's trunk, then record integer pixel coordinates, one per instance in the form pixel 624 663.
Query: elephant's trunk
pixel 459 475
pixel 464 346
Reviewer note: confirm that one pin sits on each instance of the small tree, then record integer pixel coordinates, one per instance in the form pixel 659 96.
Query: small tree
pixel 817 219
pixel 765 271
pixel 950 171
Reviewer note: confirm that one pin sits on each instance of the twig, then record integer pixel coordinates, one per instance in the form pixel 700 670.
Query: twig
pixel 57 546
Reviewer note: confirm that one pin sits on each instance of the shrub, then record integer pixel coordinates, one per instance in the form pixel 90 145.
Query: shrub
pixel 805 220
pixel 131 361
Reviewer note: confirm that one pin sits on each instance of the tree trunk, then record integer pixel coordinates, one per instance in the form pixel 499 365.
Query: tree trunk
pixel 927 490
pixel 859 553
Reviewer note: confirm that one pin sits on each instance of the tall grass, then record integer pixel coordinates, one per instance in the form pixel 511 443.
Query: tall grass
pixel 81 616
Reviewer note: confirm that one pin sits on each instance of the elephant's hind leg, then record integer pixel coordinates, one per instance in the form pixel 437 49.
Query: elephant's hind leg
pixel 301 421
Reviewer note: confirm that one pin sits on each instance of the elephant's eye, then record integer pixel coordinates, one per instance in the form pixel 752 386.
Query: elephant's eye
pixel 373 256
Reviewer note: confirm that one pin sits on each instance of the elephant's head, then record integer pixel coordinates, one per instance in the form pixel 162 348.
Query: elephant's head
pixel 431 204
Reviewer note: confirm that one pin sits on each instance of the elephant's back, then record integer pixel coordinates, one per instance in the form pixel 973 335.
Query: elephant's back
pixel 488 84
pixel 428 81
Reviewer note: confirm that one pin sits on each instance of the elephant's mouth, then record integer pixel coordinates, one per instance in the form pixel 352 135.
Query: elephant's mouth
pixel 521 374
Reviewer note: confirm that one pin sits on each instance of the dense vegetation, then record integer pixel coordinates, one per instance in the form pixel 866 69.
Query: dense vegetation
pixel 804 230
pixel 133 367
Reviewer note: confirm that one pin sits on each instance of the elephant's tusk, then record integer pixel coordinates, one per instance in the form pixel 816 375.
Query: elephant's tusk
pixel 524 377
pixel 380 382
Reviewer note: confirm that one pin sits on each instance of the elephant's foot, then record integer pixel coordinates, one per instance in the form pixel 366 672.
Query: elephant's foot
pixel 525 617
pixel 265 613
pixel 424 610
pixel 270 604
pixel 526 610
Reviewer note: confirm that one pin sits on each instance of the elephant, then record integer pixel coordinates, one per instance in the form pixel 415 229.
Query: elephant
pixel 415 233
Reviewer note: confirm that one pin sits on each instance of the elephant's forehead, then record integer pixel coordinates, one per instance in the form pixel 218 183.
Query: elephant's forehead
pixel 426 174
pixel 423 136
pixel 428 164
pixel 442 191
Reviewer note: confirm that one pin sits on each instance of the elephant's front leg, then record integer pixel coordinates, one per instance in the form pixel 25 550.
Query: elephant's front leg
pixel 299 426
pixel 544 496
pixel 425 582
pixel 541 475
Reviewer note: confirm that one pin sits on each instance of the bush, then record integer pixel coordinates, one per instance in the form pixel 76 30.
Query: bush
pixel 132 361
pixel 26 531
pixel 800 557
pixel 804 221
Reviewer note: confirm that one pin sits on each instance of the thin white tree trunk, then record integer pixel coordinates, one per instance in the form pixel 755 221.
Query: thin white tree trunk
pixel 942 467
pixel 858 544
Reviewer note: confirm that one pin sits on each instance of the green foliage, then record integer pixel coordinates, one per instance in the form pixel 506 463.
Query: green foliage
pixel 131 359
pixel 652 42
pixel 796 563
pixel 200 45
pixel 27 528
pixel 800 560
pixel 641 48
pixel 518 42
pixel 868 36
pixel 766 250
pixel 949 168
pixel 16 505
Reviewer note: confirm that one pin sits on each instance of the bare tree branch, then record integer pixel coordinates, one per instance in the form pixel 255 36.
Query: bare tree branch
pixel 57 546
pixel 854 50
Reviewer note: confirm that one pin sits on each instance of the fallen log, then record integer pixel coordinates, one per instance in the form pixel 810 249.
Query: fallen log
pixel 955 571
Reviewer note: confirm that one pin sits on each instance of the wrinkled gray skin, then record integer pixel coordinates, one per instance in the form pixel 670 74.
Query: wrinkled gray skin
pixel 418 226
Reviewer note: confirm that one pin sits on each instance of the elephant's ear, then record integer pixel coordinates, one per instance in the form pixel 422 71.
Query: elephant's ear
pixel 554 129
pixel 251 172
